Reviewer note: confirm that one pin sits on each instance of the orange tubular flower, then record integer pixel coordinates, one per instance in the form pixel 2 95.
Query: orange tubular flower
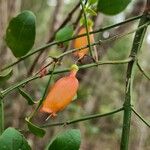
pixel 81 42
pixel 62 93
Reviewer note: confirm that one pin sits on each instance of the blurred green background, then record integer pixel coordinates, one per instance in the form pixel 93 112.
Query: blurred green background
pixel 101 88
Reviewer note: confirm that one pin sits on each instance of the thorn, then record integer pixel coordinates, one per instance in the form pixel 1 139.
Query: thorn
pixel 52 115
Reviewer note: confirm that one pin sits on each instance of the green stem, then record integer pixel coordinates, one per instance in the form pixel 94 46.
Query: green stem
pixel 137 43
pixel 137 114
pixel 90 117
pixel 1 116
pixel 87 30
pixel 57 42
pixel 6 91
pixel 116 25
pixel 142 71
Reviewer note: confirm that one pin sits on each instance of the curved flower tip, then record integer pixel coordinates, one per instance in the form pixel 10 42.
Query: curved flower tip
pixel 62 93
pixel 73 70
pixel 74 67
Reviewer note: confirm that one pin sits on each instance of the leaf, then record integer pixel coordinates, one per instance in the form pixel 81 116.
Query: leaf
pixel 64 34
pixel 68 140
pixel 20 34
pixel 112 7
pixel 5 75
pixel 35 129
pixel 91 11
pixel 11 139
pixel 26 96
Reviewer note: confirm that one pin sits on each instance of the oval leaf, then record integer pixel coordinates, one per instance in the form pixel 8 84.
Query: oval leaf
pixel 112 7
pixel 35 129
pixel 11 139
pixel 68 140
pixel 26 96
pixel 20 34
pixel 64 34
pixel 5 75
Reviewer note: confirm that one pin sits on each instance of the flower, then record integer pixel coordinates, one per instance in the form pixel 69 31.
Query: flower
pixel 61 93
pixel 81 42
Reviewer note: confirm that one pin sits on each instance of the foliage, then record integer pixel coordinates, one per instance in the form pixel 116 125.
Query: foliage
pixel 20 33
pixel 11 139
pixel 69 140
pixel 64 33
pixel 112 7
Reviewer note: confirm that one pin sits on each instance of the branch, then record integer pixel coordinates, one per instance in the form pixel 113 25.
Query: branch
pixel 141 118
pixel 6 91
pixel 42 48
pixel 82 119
pixel 142 71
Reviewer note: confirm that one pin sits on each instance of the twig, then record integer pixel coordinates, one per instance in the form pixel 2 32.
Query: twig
pixel 82 119
pixel 87 30
pixel 141 118
pixel 142 71
pixel 44 67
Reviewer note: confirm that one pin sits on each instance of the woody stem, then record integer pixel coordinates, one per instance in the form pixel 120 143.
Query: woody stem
pixel 82 118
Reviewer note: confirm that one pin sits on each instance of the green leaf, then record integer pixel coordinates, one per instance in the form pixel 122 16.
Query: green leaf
pixel 64 34
pixel 20 34
pixel 11 139
pixel 5 75
pixel 91 11
pixel 68 140
pixel 112 7
pixel 26 96
pixel 35 129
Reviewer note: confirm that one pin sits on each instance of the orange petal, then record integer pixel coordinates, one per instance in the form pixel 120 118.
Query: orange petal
pixel 61 94
pixel 81 42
